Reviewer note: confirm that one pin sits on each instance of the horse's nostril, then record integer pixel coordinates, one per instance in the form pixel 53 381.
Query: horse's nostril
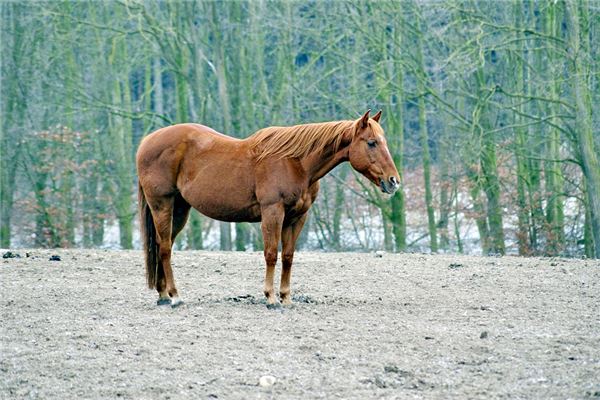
pixel 393 181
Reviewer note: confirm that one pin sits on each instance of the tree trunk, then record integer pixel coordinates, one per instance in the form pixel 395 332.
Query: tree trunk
pixel 459 243
pixel 338 208
pixel 479 211
pixel 552 170
pixel 487 159
pixel 395 119
pixel 241 236
pixel 225 106
pixel 158 86
pixel 11 109
pixel 67 180
pixel 588 235
pixel 121 129
pixel 445 185
pixel 195 239
pixel 95 186
pixel 424 138
pixel 579 49
pixel 535 133
pixel 492 191
pixel 7 188
pixel 520 136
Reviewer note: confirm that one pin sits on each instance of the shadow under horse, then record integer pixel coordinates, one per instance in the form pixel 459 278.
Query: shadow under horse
pixel 271 177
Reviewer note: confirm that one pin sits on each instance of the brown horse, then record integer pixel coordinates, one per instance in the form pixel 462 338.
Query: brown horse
pixel 271 177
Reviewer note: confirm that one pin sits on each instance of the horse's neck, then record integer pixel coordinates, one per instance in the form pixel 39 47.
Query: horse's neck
pixel 317 165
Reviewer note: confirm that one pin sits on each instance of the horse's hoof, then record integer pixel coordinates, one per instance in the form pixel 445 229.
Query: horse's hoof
pixel 176 302
pixel 163 301
pixel 274 306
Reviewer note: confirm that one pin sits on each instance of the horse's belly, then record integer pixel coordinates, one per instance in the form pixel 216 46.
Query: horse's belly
pixel 249 213
pixel 222 192
pixel 224 206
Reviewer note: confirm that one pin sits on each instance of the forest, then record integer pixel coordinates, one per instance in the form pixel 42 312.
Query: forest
pixel 489 108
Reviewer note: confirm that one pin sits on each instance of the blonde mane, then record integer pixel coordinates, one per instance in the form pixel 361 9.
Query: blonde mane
pixel 299 140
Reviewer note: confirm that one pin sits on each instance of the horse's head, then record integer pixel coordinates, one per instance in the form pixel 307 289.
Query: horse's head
pixel 369 154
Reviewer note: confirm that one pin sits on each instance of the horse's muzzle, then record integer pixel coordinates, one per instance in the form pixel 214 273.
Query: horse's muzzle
pixel 390 186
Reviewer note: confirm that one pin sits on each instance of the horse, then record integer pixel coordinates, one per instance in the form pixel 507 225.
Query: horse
pixel 271 177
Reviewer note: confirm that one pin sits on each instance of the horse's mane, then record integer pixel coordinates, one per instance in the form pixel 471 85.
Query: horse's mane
pixel 299 140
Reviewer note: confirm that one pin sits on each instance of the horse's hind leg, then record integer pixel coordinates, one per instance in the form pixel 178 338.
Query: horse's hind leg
pixel 162 212
pixel 181 211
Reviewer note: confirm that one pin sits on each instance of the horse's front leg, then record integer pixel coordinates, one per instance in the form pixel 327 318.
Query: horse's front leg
pixel 272 220
pixel 289 236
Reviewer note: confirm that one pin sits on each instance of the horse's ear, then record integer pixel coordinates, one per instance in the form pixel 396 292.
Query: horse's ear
pixel 364 121
pixel 377 116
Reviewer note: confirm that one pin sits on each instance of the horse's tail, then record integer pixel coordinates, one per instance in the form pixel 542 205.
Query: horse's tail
pixel 148 237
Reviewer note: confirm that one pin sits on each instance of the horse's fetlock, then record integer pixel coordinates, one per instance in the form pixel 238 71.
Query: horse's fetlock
pixel 269 293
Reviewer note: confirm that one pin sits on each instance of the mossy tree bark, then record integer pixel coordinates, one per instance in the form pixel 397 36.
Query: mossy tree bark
pixel 423 132
pixel 552 171
pixel 579 50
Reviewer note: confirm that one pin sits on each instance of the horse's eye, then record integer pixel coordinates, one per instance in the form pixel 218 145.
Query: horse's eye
pixel 372 143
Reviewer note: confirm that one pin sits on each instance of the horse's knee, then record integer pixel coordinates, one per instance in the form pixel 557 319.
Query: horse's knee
pixel 270 256
pixel 287 258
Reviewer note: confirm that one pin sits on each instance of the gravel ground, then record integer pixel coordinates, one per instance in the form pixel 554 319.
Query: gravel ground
pixel 398 326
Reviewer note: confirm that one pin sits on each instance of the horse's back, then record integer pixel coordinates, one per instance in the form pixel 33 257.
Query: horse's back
pixel 193 158
pixel 175 134
pixel 175 140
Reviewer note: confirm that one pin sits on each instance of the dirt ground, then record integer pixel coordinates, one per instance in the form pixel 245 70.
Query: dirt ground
pixel 398 326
